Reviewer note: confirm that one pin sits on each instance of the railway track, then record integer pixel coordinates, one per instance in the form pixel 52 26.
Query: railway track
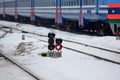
pixel 106 55
pixel 34 76
pixel 117 52
pixel 99 53
pixel 5 32
pixel 15 62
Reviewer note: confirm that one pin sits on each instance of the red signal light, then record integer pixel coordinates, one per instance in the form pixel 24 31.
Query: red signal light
pixel 58 47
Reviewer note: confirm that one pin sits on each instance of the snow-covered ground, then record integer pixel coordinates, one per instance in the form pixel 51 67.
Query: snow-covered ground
pixel 1 32
pixel 71 66
pixel 108 42
pixel 9 71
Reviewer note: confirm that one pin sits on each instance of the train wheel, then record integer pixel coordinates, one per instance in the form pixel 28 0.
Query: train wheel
pixel 68 26
pixel 57 26
pixel 103 29
pixel 100 27
pixel 108 30
pixel 32 22
pixel 38 22
pixel 100 32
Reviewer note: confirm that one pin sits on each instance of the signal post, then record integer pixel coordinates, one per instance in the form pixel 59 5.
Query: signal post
pixel 54 46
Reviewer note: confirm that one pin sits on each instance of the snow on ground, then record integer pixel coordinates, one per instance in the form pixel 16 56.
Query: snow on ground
pixel 8 71
pixel 71 66
pixel 1 32
pixel 108 42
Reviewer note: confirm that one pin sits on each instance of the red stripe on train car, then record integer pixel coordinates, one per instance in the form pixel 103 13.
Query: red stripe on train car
pixel 15 13
pixel 32 14
pixel 4 12
pixel 113 16
pixel 114 5
pixel 80 17
pixel 117 33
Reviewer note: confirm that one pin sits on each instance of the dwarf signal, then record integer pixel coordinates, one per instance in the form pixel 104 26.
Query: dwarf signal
pixel 54 45
pixel 58 44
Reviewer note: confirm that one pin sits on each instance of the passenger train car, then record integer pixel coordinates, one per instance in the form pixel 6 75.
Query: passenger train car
pixel 100 16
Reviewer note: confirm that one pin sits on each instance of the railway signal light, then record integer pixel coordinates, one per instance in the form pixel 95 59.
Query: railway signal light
pixel 51 47
pixel 51 37
pixel 51 41
pixel 58 47
pixel 58 44
pixel 54 46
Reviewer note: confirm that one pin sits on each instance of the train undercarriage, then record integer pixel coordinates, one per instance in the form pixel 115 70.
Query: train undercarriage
pixel 98 27
pixel 44 22
pixel 1 17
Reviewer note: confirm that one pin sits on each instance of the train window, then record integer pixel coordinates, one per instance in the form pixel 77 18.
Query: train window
pixel 103 2
pixel 1 4
pixel 54 2
pixel 46 3
pixel 70 2
pixel 75 2
pixel 9 4
pixel 89 2
pixel 23 3
pixel 50 3
pixel 42 3
pixel 85 2
pixel 92 2
pixel 65 2
pixel 37 3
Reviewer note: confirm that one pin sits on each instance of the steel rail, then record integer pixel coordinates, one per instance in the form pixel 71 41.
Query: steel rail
pixel 20 66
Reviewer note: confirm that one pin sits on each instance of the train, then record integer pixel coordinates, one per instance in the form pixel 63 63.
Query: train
pixel 98 16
